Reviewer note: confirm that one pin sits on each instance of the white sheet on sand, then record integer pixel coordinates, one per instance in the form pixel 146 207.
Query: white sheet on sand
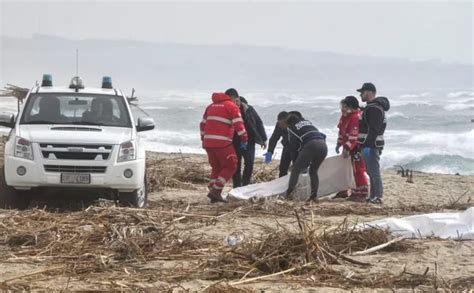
pixel 335 174
pixel 459 226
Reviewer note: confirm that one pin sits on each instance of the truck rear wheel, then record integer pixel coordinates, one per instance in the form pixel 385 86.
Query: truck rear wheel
pixel 11 198
pixel 137 198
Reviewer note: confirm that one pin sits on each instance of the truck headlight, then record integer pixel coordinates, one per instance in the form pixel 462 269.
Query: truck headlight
pixel 127 152
pixel 23 149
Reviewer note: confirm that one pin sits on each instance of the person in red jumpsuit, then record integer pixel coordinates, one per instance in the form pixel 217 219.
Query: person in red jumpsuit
pixel 348 133
pixel 221 120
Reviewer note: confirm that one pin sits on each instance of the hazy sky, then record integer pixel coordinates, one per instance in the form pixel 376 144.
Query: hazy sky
pixel 415 30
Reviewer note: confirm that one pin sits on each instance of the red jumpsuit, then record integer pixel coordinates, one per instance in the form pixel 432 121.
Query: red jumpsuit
pixel 348 133
pixel 220 121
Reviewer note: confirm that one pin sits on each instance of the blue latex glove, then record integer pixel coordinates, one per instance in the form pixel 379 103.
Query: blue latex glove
pixel 244 145
pixel 268 157
pixel 338 146
pixel 366 152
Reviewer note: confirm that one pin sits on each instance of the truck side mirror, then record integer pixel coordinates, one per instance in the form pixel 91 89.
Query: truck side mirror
pixel 145 124
pixel 7 120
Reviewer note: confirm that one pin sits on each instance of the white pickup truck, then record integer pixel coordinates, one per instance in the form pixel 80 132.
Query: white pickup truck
pixel 74 138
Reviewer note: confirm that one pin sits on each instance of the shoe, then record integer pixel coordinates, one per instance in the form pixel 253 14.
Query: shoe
pixel 313 198
pixel 357 198
pixel 375 201
pixel 341 194
pixel 215 197
pixel 212 197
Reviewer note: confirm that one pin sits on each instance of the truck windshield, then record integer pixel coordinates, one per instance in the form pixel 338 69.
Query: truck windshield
pixel 76 109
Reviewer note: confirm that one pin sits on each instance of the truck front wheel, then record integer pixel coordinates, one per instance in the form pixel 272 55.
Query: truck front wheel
pixel 138 198
pixel 11 198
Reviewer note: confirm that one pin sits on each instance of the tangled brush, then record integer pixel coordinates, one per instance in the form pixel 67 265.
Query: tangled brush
pixel 176 171
pixel 97 239
pixel 302 252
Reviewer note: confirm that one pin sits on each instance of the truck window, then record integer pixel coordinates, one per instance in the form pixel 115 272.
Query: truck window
pixel 82 109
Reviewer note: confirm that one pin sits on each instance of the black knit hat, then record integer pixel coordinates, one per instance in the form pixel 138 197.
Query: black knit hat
pixel 282 115
pixel 295 113
pixel 351 102
pixel 232 93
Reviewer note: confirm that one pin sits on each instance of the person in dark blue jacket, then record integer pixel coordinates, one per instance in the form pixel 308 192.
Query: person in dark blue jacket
pixel 312 148
pixel 257 135
pixel 280 132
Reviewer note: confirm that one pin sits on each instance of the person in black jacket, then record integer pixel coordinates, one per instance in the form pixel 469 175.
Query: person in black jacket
pixel 257 135
pixel 280 132
pixel 371 141
pixel 312 148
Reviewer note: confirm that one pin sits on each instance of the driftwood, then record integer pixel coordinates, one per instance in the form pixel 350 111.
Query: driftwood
pixel 410 176
pixel 107 241
pixel 271 275
pixel 379 247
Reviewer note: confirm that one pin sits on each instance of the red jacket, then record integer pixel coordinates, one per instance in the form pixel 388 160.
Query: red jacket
pixel 349 130
pixel 221 119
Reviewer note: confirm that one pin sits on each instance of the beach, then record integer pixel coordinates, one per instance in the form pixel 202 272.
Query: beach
pixel 69 246
pixel 124 126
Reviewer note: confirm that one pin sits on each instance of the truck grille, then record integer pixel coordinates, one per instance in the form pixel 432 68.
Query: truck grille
pixel 74 169
pixel 76 152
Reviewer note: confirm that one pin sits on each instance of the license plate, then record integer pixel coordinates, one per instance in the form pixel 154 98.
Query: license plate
pixel 72 178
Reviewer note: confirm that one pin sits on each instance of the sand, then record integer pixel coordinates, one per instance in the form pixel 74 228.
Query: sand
pixel 450 261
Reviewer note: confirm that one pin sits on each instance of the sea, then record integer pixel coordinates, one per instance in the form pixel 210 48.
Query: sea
pixel 430 131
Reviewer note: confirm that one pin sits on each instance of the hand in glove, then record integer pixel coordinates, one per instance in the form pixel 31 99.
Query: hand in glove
pixel 268 157
pixel 338 146
pixel 244 145
pixel 366 152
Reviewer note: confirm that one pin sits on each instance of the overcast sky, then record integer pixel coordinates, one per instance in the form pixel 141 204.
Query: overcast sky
pixel 421 30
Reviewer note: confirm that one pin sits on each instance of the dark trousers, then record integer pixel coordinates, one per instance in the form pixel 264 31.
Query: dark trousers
pixel 285 162
pixel 313 154
pixel 248 157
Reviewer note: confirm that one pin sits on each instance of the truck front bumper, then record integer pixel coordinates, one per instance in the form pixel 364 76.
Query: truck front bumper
pixel 37 176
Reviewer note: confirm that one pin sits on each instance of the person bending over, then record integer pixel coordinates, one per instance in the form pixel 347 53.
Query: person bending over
pixel 312 148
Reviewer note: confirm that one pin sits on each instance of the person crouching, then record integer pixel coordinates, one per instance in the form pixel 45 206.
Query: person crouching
pixel 312 148
pixel 221 119
pixel 348 134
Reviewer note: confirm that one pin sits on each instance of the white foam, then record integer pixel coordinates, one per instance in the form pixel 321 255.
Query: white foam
pixel 460 94
pixel 154 108
pixel 458 107
pixel 461 144
pixel 412 96
pixel 396 115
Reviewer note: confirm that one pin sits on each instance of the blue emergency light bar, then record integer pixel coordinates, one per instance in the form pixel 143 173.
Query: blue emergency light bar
pixel 107 82
pixel 47 80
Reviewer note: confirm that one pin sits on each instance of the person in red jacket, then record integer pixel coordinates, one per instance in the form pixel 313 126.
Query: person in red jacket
pixel 348 133
pixel 221 120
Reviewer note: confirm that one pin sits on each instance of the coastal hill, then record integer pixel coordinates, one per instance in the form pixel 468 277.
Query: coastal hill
pixel 152 66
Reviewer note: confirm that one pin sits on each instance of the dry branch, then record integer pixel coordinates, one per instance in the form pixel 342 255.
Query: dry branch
pixel 379 247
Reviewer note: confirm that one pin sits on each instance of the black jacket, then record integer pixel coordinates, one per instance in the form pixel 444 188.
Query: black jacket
pixel 278 133
pixel 301 133
pixel 373 123
pixel 253 125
